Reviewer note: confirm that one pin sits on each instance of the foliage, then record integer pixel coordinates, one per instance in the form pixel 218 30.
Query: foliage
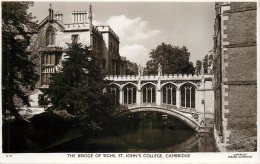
pixel 18 72
pixel 47 126
pixel 15 136
pixel 198 67
pixel 172 59
pixel 132 68
pixel 43 100
pixel 20 136
pixel 205 63
pixel 78 88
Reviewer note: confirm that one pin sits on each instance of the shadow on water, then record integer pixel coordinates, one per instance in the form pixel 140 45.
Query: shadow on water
pixel 144 132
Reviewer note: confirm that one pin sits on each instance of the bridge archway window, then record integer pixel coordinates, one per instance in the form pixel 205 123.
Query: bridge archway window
pixel 149 94
pixel 169 94
pixel 129 94
pixel 188 96
pixel 114 91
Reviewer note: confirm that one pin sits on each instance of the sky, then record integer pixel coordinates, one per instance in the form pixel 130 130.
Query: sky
pixel 142 26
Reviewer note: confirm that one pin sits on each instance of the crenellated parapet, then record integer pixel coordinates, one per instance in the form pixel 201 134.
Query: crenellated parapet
pixel 96 31
pixel 113 33
pixel 109 30
pixel 156 77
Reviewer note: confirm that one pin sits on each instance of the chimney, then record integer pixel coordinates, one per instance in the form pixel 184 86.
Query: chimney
pixel 59 16
pixel 79 16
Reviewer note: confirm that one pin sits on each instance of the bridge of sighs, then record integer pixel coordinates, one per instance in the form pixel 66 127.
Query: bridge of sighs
pixel 190 98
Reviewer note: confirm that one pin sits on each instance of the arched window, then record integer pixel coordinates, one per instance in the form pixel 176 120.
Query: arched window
pixel 149 93
pixel 114 91
pixel 169 94
pixel 50 36
pixel 129 94
pixel 188 96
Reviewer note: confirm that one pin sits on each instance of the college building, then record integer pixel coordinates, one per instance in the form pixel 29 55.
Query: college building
pixel 235 74
pixel 49 45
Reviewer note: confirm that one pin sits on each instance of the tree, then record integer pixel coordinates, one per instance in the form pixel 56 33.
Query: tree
pixel 132 68
pixel 205 63
pixel 198 66
pixel 19 75
pixel 172 59
pixel 79 88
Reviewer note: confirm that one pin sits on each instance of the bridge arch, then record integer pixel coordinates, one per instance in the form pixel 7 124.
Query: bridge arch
pixel 113 83
pixel 129 83
pixel 188 120
pixel 148 83
pixel 170 83
pixel 188 82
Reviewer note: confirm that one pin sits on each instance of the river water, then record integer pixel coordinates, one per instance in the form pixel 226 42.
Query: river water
pixel 144 132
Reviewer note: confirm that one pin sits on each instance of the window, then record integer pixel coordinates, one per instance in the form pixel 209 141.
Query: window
pixel 129 94
pixel 188 96
pixel 149 93
pixel 74 39
pixel 114 91
pixel 50 36
pixel 49 59
pixel 169 94
pixel 46 78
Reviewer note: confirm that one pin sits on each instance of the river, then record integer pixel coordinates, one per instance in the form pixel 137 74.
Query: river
pixel 144 132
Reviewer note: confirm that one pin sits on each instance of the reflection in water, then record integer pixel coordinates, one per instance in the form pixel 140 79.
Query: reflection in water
pixel 145 132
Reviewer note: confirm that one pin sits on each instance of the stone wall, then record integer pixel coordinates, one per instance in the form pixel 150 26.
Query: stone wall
pixel 241 71
pixel 235 73
pixel 242 112
pixel 241 64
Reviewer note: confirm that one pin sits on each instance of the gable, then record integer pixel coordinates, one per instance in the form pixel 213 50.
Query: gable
pixel 54 22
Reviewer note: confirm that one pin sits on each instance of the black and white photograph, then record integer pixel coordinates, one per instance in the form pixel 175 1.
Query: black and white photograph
pixel 141 81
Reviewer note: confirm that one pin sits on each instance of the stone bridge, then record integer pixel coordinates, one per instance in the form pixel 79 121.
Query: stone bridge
pixel 189 98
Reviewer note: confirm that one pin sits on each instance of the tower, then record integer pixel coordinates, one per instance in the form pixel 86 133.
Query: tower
pixel 90 26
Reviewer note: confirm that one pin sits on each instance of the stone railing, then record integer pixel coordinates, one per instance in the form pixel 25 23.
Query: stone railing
pixel 49 68
pixel 76 26
pixel 156 77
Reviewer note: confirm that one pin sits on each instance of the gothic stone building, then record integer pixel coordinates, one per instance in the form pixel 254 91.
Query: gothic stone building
pixel 235 76
pixel 50 45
